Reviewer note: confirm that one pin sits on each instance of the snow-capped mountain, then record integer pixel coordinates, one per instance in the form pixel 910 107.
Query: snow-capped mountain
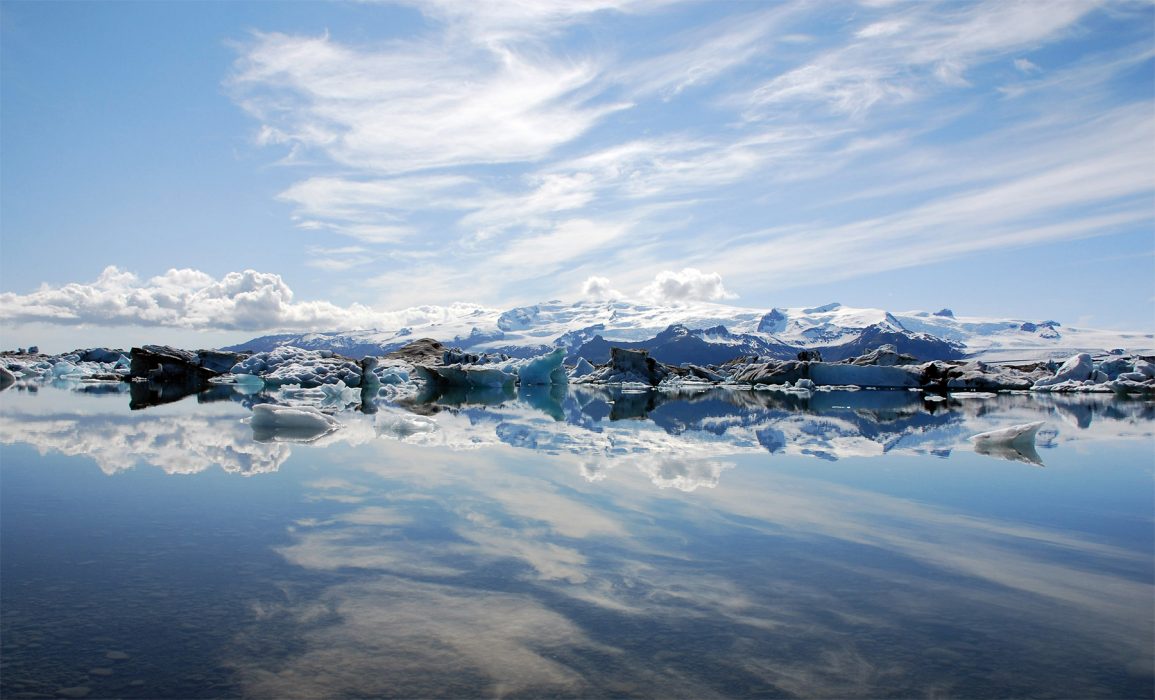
pixel 705 333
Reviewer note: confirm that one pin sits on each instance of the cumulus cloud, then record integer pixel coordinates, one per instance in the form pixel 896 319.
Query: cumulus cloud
pixel 683 474
pixel 599 288
pixel 689 285
pixel 185 298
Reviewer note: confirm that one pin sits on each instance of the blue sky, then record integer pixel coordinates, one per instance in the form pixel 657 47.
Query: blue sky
pixel 207 171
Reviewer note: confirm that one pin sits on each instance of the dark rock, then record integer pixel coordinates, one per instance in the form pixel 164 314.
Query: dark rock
pixel 163 361
pixel 425 351
pixel 810 356
pixel 172 373
pixel 638 362
pixel 884 356
pixel 947 313
pixel 219 361
pixel 7 378
pixel 772 372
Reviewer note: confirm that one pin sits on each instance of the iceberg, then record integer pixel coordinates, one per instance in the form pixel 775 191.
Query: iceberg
pixel 1022 434
pixel 274 423
pixel 308 368
pixel 1078 368
pixel 401 426
pixel 7 379
pixel 582 368
pixel 544 369
pixel 890 377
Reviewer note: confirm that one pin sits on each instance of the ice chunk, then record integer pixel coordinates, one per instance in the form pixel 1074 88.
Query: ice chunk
pixel 7 379
pixel 401 426
pixel 271 422
pixel 868 376
pixel 1077 368
pixel 582 368
pixel 544 369
pixel 1023 434
pixel 308 368
pixel 339 394
pixel 248 383
pixel 1014 452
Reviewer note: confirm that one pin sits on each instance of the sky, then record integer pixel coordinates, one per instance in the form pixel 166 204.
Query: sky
pixel 203 172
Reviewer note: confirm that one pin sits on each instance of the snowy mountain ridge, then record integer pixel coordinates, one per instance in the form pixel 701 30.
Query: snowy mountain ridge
pixel 837 331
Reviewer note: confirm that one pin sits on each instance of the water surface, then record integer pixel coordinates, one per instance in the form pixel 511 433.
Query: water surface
pixel 580 544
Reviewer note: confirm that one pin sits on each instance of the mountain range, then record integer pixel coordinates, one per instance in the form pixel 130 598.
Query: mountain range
pixel 704 333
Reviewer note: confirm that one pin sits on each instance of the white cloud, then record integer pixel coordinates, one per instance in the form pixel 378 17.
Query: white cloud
pixel 909 56
pixel 1026 66
pixel 689 285
pixel 417 104
pixel 186 298
pixel 683 474
pixel 599 288
pixel 184 444
pixel 730 125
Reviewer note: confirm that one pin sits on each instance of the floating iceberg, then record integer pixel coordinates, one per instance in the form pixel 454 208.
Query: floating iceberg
pixel 271 422
pixel 1023 434
pixel 544 369
pixel 891 377
pixel 308 368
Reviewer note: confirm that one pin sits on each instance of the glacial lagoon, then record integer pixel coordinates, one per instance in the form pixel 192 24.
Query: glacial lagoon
pixel 577 543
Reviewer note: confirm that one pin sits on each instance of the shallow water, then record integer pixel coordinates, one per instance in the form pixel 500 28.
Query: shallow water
pixel 582 544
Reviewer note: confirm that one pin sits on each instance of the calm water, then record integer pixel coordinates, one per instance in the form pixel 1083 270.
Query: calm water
pixel 578 545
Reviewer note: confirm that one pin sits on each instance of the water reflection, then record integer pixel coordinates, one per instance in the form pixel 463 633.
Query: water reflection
pixel 600 424
pixel 778 585
pixel 598 544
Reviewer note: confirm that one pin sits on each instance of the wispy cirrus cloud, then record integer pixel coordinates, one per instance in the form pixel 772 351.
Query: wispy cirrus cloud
pixel 414 105
pixel 512 147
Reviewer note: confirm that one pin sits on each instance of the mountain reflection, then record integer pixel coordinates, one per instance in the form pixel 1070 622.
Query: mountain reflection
pixel 683 438
pixel 594 543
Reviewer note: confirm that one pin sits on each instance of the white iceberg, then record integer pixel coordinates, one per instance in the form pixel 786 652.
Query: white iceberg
pixel 1077 369
pixel 582 368
pixel 1022 434
pixel 274 423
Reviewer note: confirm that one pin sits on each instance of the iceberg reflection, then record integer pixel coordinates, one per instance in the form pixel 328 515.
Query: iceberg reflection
pixel 600 424
pixel 604 544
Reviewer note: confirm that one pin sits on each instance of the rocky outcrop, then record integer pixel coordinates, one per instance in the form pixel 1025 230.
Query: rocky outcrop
pixel 425 351
pixel 771 372
pixel 629 366
pixel 884 356
pixel 163 363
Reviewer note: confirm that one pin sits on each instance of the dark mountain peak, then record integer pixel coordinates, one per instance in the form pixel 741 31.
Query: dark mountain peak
pixel 774 321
